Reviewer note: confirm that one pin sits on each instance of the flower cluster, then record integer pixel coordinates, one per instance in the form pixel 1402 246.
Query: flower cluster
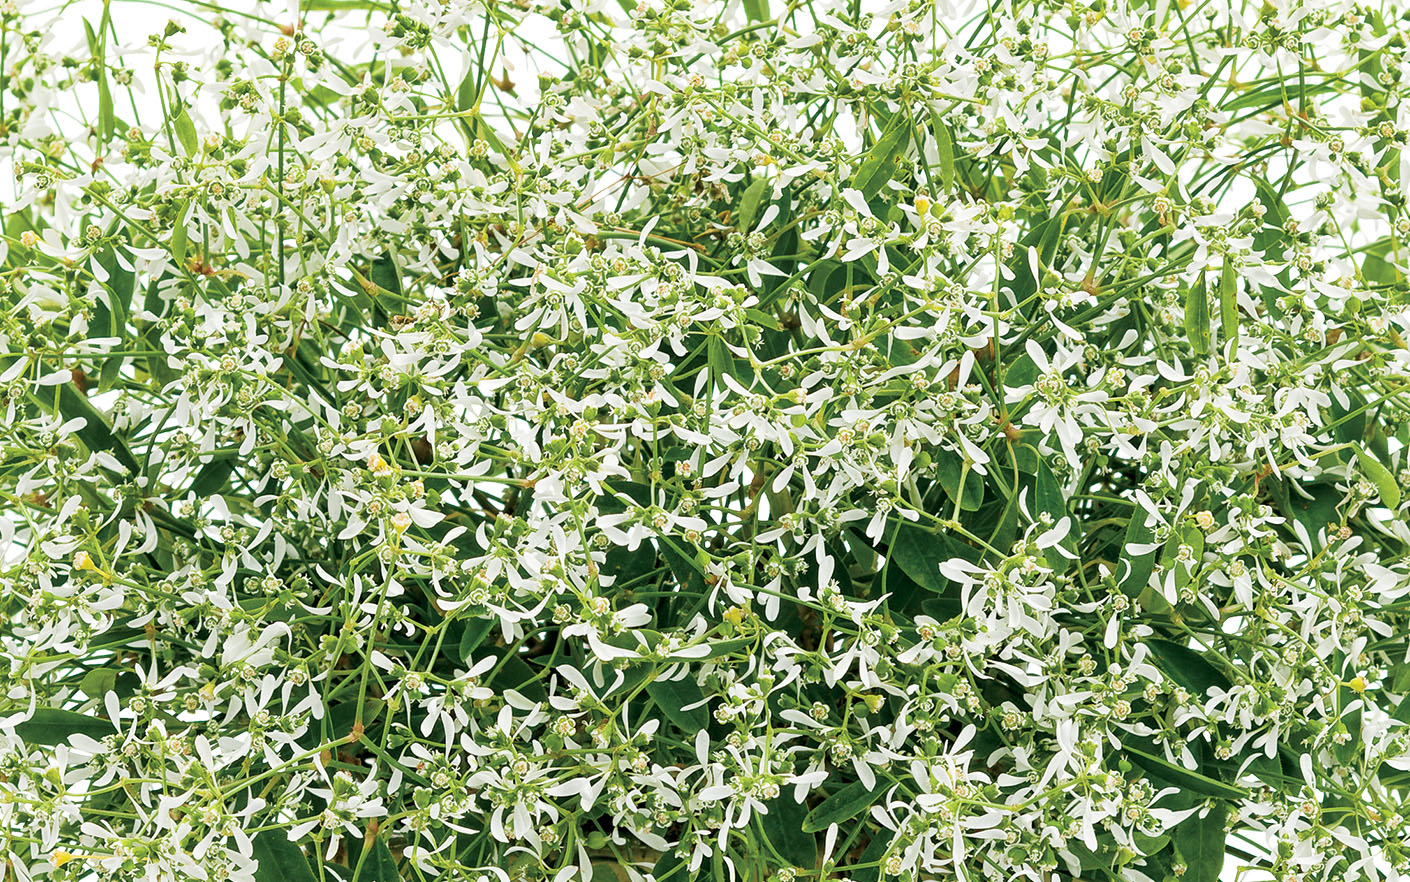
pixel 655 440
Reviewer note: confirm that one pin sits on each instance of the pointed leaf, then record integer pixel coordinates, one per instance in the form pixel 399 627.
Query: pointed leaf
pixel 475 632
pixel 1386 484
pixel 672 696
pixel 1197 317
pixel 1200 843
pixel 749 204
pixel 52 726
pixel 1229 302
pixel 844 805
pixel 1138 566
pixel 279 859
pixel 945 149
pixel 1186 667
pixel 880 164
pixel 784 827
pixel 186 133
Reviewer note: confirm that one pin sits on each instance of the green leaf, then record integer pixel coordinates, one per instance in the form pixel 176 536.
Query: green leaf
pixel 1049 499
pixel 178 234
pixel 1138 567
pixel 720 359
pixel 465 92
pixel 756 10
pixel 721 648
pixel 1385 482
pixel 869 864
pixel 749 204
pixel 1186 667
pixel 1200 843
pixel 784 827
pixel 96 434
pixel 844 805
pixel 1349 423
pixel 484 130
pixel 1193 537
pixel 952 468
pixel 1313 505
pixel 672 696
pixel 880 164
pixel 384 274
pixel 118 291
pixel 945 149
pixel 98 682
pixel 671 867
pixel 919 554
pixel 1197 317
pixel 1229 302
pixel 186 133
pixel 1047 493
pixel 49 725
pixel 1179 776
pixel 378 865
pixel 107 122
pixel 213 476
pixel 475 632
pixel 279 859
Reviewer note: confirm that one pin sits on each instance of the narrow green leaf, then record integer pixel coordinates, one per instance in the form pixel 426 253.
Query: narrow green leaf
pixel 96 434
pixel 952 470
pixel 1197 317
pixel 784 827
pixel 1047 493
pixel 671 867
pixel 1138 566
pixel 919 554
pixel 1200 843
pixel 945 148
pixel 94 47
pixel 721 648
pixel 107 122
pixel 119 293
pixel 749 204
pixel 880 164
pixel 720 360
pixel 279 859
pixel 484 130
pixel 763 319
pixel 1159 767
pixel 384 274
pixel 109 374
pixel 672 696
pixel 465 92
pixel 1050 500
pixel 1186 667
pixel 186 133
pixel 52 726
pixel 476 630
pixel 1386 484
pixel 844 805
pixel 98 682
pixel 212 477
pixel 1229 302
pixel 1191 536
pixel 178 235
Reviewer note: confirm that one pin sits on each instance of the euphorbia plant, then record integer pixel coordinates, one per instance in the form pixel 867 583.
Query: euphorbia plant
pixel 824 440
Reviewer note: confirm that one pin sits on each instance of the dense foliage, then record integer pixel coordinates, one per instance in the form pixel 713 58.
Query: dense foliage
pixel 834 439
